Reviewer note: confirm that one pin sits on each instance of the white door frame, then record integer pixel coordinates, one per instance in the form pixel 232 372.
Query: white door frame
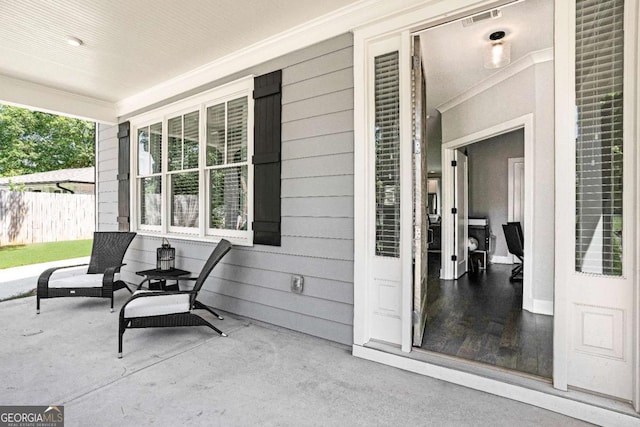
pixel 512 179
pixel 460 218
pixel 403 23
pixel 523 122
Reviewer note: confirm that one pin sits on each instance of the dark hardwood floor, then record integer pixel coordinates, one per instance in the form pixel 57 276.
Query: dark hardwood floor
pixel 480 317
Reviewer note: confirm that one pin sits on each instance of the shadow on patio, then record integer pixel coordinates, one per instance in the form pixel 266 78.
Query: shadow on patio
pixel 259 375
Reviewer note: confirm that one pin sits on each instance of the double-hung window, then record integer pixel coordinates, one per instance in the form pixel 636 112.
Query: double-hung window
pixel 227 165
pixel 183 175
pixel 149 182
pixel 193 170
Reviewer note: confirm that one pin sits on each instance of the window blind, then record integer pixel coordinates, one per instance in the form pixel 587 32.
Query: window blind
pixel 191 140
pixel 183 141
pixel 227 154
pixel 228 198
pixel 184 146
pixel 150 192
pixel 215 134
pixel 150 149
pixel 237 114
pixel 387 163
pixel 184 199
pixel 599 137
pixel 149 173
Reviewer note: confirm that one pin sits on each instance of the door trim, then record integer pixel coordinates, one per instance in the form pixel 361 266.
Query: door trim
pixel 512 178
pixel 422 17
pixel 523 122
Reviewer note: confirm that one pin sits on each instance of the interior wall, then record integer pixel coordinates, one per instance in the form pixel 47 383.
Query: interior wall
pixel 434 143
pixel 489 181
pixel 529 91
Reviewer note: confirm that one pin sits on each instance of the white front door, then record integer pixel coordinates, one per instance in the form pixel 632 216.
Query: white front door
pixel 460 213
pixel 385 237
pixel 596 212
pixel 420 222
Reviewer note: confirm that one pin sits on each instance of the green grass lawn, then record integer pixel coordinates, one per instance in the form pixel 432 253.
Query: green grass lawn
pixel 14 256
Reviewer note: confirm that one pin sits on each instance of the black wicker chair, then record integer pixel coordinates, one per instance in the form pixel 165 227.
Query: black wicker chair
pixel 157 309
pixel 515 244
pixel 100 279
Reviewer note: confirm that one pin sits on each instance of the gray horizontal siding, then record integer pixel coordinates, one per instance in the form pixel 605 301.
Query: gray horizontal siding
pixel 325 228
pixel 293 320
pixel 322 145
pixel 317 207
pixel 331 207
pixel 335 81
pixel 329 165
pixel 318 186
pixel 341 121
pixel 318 106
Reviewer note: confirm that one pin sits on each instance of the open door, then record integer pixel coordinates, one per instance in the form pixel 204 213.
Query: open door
pixel 460 212
pixel 420 222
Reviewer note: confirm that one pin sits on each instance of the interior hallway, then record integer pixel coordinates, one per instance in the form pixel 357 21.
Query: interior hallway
pixel 479 317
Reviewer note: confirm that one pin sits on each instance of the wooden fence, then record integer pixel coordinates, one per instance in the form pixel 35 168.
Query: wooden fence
pixel 27 217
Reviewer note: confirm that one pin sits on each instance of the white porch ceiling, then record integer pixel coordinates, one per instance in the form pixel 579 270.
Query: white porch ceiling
pixel 132 45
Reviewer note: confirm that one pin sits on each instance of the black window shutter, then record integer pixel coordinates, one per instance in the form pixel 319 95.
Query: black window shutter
pixel 266 158
pixel 123 176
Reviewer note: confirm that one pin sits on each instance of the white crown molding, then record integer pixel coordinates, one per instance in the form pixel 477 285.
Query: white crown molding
pixel 22 93
pixel 322 28
pixel 511 70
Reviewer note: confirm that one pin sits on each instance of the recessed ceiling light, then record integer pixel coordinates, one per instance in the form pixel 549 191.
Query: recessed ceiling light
pixel 74 41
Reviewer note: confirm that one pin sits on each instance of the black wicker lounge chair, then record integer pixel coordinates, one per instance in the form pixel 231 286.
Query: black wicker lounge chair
pixel 157 309
pixel 100 279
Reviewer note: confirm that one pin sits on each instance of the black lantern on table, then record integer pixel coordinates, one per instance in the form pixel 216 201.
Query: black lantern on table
pixel 166 256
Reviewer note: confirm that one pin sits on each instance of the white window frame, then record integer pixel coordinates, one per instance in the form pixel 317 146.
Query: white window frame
pixel 226 233
pixel 137 213
pixel 167 174
pixel 200 102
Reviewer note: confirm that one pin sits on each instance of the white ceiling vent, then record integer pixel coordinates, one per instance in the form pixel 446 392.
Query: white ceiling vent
pixel 490 14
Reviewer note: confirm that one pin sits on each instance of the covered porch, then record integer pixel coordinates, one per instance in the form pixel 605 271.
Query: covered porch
pixel 259 375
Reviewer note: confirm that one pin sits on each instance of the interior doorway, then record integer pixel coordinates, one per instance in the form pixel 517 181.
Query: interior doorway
pixel 475 310
pixel 480 316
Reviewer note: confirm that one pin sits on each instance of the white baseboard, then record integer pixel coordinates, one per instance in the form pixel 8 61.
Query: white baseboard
pixel 541 306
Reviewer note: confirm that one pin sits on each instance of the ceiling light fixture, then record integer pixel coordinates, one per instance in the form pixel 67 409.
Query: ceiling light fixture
pixel 74 41
pixel 498 52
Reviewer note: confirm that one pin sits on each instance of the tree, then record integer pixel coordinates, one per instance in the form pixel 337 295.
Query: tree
pixel 31 141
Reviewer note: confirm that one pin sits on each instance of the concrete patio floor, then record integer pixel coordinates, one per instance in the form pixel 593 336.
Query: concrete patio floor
pixel 258 375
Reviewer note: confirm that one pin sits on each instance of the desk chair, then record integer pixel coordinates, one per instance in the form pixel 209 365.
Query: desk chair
pixel 515 242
